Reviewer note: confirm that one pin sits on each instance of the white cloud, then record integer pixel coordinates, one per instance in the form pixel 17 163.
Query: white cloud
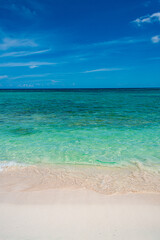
pixel 117 42
pixel 23 53
pixel 33 66
pixel 155 17
pixel 31 76
pixel 10 42
pixel 25 85
pixel 156 39
pixel 3 77
pixel 28 64
pixel 104 70
pixel 22 9
pixel 19 8
pixel 54 81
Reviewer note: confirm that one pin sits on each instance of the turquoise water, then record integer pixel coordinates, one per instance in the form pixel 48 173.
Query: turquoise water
pixel 114 127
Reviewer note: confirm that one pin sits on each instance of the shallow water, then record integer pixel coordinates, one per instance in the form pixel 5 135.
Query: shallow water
pixel 97 127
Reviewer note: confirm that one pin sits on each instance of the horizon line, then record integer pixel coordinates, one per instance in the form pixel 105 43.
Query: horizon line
pixel 91 88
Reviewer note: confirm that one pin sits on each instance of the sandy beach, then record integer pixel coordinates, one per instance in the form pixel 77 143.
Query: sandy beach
pixel 78 214
pixel 33 209
pixel 79 120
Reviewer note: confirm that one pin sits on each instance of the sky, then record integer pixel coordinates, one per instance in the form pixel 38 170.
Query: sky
pixel 79 43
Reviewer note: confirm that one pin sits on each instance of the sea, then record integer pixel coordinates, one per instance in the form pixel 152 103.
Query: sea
pixel 106 127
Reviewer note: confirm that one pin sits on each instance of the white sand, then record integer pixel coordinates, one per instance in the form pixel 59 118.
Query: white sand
pixel 78 215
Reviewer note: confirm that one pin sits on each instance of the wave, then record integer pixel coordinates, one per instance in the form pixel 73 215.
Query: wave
pixel 5 165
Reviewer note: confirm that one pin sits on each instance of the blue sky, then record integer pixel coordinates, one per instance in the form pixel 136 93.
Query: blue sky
pixel 79 43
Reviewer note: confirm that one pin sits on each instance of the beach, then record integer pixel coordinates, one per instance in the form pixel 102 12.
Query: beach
pixel 105 180
pixel 78 214
pixel 79 120
pixel 74 165
pixel 54 203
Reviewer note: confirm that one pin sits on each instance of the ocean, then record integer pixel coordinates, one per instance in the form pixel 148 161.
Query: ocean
pixel 106 127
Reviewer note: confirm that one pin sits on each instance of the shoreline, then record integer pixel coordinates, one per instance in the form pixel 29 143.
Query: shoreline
pixel 64 202
pixel 102 179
